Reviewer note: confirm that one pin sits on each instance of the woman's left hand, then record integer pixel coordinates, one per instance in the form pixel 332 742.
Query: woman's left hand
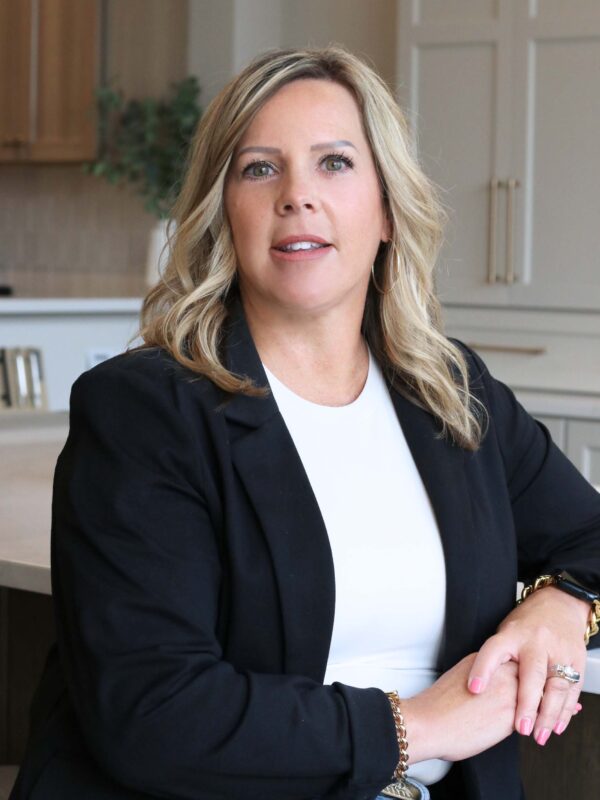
pixel 546 629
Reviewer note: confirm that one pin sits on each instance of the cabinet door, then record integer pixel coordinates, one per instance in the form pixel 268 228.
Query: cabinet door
pixel 558 429
pixel 15 77
pixel 454 84
pixel 556 154
pixel 50 59
pixel 583 448
pixel 65 118
pixel 509 90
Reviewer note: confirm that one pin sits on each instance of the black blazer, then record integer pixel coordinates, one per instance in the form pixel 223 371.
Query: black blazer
pixel 194 588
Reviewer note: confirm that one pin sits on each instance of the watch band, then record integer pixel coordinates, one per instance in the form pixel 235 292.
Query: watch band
pixel 567 583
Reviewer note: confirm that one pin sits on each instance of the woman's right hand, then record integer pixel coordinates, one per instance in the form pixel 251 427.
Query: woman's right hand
pixel 449 722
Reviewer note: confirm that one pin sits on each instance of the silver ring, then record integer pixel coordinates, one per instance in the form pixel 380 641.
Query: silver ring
pixel 564 671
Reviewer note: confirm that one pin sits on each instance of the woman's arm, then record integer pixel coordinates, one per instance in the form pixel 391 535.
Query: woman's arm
pixel 136 578
pixel 557 522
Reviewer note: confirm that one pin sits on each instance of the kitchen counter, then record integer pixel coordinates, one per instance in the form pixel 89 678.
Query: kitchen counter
pixel 30 445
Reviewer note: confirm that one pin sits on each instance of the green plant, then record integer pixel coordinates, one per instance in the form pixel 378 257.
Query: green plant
pixel 145 142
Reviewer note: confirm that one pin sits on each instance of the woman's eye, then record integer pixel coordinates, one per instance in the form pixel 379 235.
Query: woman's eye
pixel 258 169
pixel 335 162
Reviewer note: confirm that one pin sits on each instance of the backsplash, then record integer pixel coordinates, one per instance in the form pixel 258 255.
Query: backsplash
pixel 67 234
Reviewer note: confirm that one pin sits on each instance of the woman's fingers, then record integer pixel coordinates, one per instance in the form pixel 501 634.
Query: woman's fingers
pixel 559 704
pixel 533 670
pixel 492 654
pixel 553 709
pixel 544 704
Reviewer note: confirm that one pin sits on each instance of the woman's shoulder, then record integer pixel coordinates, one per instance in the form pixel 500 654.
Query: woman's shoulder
pixel 141 378
pixel 152 361
pixel 151 364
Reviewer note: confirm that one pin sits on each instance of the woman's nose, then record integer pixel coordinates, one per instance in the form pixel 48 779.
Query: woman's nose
pixel 297 192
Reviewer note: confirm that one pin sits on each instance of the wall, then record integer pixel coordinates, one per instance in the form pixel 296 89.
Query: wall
pixel 225 34
pixel 366 28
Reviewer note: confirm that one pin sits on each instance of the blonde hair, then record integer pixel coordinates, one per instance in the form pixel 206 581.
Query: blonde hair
pixel 185 311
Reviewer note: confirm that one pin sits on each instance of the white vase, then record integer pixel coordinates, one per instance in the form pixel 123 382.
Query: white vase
pixel 157 255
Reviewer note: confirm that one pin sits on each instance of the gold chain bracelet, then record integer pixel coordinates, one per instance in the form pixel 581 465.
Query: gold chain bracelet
pixel 400 771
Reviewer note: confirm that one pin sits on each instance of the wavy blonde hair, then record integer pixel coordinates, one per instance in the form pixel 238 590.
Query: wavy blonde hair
pixel 185 312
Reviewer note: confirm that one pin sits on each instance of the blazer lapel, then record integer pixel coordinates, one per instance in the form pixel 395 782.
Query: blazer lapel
pixel 441 466
pixel 273 475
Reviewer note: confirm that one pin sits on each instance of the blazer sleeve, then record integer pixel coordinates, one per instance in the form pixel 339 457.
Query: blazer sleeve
pixel 556 510
pixel 136 579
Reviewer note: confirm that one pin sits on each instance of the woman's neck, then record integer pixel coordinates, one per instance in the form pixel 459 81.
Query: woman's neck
pixel 323 359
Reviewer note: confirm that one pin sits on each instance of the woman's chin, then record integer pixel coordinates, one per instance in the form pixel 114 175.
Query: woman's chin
pixel 308 300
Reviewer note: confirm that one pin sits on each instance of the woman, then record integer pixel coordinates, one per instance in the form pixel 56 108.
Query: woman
pixel 292 522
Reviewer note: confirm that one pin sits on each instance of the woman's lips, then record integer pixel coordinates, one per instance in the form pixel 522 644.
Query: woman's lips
pixel 301 255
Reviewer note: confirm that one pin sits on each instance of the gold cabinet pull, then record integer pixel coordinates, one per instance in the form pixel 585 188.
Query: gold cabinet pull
pixel 508 348
pixel 511 185
pixel 491 276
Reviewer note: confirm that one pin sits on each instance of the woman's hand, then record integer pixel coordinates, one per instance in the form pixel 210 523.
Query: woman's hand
pixel 546 629
pixel 447 721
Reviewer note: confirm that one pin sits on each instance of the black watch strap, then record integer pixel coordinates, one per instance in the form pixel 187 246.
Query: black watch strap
pixel 567 583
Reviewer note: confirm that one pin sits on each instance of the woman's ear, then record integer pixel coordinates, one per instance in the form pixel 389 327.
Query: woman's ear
pixel 386 230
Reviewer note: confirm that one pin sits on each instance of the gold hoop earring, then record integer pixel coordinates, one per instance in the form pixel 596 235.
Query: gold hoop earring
pixel 383 291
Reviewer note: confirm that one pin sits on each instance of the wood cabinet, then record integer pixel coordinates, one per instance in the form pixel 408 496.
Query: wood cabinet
pixel 48 73
pixel 504 99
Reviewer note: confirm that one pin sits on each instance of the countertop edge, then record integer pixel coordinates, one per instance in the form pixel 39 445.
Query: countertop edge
pixel 69 305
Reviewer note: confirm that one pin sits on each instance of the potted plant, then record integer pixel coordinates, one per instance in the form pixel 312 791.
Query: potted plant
pixel 145 143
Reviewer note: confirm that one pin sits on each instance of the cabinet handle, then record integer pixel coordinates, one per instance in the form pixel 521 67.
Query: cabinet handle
pixel 491 276
pixel 511 185
pixel 508 348
pixel 33 69
pixel 14 142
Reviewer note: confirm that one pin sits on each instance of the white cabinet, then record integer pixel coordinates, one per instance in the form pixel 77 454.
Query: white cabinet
pixel 504 100
pixel 580 441
pixel 583 448
pixel 557 428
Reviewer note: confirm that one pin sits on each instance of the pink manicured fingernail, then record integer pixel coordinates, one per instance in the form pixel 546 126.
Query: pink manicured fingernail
pixel 525 726
pixel 543 736
pixel 476 685
pixel 578 707
pixel 560 727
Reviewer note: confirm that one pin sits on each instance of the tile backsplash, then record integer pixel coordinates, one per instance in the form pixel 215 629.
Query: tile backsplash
pixel 67 234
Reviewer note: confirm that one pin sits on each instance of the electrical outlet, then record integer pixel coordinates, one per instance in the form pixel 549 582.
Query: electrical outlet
pixel 99 354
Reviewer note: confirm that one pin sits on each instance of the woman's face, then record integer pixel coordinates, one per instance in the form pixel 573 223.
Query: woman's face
pixel 304 169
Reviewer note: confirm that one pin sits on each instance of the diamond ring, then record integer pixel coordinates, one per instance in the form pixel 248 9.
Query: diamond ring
pixel 564 671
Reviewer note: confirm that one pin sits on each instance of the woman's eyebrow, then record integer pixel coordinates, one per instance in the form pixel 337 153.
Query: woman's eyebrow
pixel 277 151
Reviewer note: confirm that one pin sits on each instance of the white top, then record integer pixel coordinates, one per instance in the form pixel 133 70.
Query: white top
pixel 389 563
